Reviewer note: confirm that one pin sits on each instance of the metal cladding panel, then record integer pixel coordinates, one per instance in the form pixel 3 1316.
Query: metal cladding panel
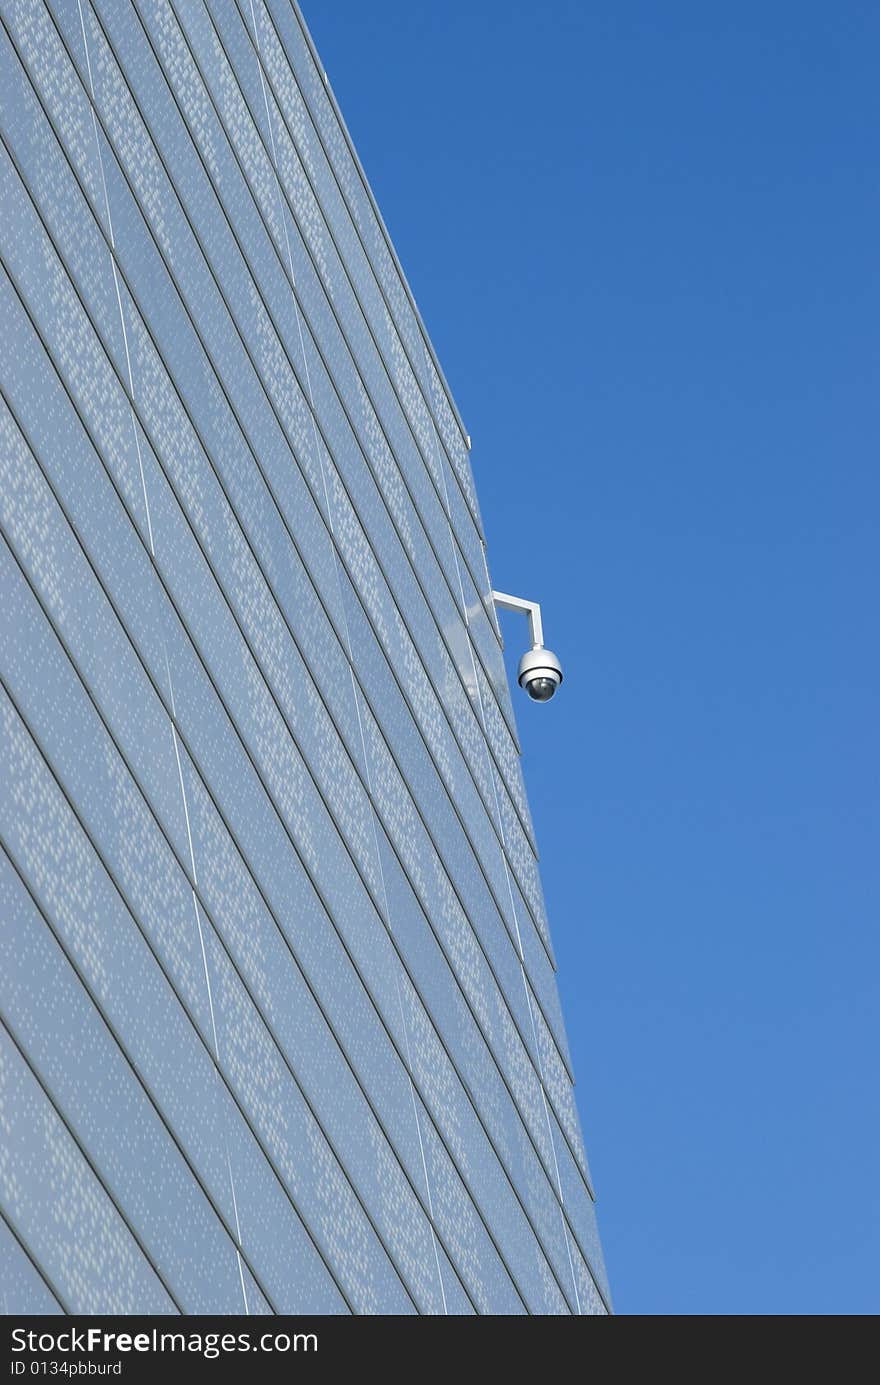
pixel 280 1029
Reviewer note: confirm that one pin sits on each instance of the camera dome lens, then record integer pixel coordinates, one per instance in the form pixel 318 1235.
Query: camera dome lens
pixel 541 689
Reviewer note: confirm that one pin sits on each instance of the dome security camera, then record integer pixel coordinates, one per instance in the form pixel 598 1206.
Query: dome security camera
pixel 540 673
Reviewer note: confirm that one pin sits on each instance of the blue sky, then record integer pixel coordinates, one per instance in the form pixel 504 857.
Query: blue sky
pixel 644 240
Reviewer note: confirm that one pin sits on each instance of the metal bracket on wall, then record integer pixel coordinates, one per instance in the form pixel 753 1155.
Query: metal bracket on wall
pixel 523 607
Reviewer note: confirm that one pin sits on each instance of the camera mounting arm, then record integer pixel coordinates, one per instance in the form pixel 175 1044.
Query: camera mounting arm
pixel 526 608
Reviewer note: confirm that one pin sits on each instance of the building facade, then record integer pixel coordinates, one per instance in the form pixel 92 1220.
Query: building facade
pixel 280 1030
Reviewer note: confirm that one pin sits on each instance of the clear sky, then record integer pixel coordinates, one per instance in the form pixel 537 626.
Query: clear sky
pixel 644 237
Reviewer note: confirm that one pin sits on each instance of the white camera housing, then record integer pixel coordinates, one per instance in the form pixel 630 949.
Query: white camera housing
pixel 540 673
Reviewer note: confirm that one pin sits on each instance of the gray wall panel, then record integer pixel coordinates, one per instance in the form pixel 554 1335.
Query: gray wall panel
pixel 279 1024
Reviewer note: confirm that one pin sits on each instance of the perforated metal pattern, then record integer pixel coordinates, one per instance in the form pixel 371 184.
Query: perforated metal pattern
pixel 279 1027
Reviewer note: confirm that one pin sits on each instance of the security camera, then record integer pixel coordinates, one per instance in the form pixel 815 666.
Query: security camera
pixel 540 673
